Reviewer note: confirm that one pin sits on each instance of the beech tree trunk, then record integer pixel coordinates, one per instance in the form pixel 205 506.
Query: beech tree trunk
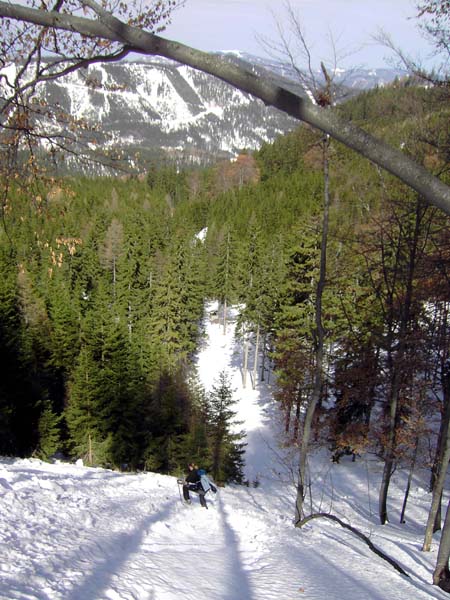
pixel 297 416
pixel 441 475
pixel 388 468
pixel 410 476
pixel 263 359
pixel 319 346
pixel 245 365
pixel 442 439
pixel 441 575
pixel 255 365
pixel 224 316
pixel 90 452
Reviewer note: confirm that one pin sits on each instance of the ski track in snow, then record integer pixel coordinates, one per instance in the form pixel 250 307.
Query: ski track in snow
pixel 73 533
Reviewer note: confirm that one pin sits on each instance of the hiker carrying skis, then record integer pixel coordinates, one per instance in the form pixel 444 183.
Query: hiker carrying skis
pixel 193 482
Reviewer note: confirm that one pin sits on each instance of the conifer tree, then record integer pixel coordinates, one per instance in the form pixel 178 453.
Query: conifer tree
pixel 169 418
pixel 111 250
pixel 225 275
pixel 49 433
pixel 168 324
pixel 197 448
pixel 64 311
pixel 19 394
pixel 251 293
pixel 294 326
pixel 226 445
pixel 82 413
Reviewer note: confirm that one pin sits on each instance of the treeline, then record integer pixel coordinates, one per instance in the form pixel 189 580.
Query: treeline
pixel 384 311
pixel 103 284
pixel 101 299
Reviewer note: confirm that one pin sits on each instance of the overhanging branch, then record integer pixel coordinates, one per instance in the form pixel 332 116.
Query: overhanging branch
pixel 110 28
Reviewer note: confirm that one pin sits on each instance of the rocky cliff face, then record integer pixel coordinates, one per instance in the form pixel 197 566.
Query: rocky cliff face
pixel 147 105
pixel 154 106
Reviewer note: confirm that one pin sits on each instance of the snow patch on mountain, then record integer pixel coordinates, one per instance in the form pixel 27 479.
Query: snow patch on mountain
pixel 146 105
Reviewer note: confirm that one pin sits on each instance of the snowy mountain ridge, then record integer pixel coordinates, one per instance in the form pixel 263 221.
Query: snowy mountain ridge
pixel 151 105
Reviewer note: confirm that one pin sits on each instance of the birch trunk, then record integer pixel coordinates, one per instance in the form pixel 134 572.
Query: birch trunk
pixel 255 365
pixel 319 349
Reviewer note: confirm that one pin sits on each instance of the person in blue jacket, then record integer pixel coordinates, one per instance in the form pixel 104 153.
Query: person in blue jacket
pixel 192 483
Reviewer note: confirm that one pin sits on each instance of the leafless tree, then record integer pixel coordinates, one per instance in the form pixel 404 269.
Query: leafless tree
pixel 295 50
pixel 434 22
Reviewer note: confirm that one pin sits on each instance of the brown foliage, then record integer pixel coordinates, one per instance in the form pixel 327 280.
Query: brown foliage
pixel 236 173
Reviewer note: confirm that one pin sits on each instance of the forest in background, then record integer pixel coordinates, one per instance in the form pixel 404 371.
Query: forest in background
pixel 104 281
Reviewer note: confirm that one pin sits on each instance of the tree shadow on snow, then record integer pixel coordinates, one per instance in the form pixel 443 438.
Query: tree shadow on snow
pixel 115 551
pixel 240 587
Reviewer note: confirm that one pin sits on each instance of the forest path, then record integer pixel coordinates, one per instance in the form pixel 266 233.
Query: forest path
pixel 73 533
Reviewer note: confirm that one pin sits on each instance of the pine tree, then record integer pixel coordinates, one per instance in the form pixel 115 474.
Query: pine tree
pixel 225 277
pixel 226 445
pixel 49 433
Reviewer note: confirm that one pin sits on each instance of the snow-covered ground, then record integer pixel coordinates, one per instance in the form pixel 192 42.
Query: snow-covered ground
pixel 75 533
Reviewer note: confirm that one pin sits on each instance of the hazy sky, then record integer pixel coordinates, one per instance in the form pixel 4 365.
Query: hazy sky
pixel 234 24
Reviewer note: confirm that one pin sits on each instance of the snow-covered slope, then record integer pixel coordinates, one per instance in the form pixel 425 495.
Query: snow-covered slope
pixel 142 107
pixel 75 533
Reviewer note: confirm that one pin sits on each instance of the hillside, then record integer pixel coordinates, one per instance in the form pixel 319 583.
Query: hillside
pixel 70 532
pixel 141 110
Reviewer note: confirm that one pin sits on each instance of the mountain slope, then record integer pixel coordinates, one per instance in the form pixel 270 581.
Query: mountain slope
pixel 70 532
pixel 146 107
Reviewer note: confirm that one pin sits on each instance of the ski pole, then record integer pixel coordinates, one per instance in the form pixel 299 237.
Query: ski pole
pixel 179 491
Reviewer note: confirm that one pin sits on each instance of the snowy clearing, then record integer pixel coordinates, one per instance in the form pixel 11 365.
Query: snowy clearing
pixel 76 533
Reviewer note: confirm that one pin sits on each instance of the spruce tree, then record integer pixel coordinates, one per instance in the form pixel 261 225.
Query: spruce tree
pixel 225 277
pixel 19 394
pixel 196 445
pixel 226 446
pixel 167 322
pixel 49 432
pixel 82 413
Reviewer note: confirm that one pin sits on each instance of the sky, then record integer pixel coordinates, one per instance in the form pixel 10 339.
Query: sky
pixel 70 532
pixel 220 25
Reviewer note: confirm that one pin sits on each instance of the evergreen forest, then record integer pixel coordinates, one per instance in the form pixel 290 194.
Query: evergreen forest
pixel 104 283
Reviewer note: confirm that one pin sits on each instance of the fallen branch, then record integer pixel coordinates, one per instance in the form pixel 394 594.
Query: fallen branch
pixel 363 537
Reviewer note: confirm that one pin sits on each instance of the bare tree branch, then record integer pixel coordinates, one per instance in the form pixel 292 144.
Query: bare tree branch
pixel 407 63
pixel 359 534
pixel 110 28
